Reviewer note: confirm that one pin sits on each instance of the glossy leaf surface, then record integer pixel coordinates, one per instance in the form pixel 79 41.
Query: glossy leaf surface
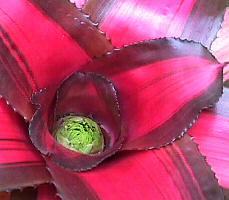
pixel 40 47
pixel 137 20
pixel 169 78
pixel 18 158
pixel 157 74
pixel 47 192
pixel 83 94
pixel 135 176
pixel 211 132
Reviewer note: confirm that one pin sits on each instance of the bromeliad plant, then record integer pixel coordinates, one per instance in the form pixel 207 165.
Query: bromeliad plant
pixel 91 111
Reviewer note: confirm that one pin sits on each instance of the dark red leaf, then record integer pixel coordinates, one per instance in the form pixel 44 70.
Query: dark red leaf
pixel 25 194
pixel 40 47
pixel 226 194
pixel 47 192
pixel 18 158
pixel 162 86
pixel 92 96
pixel 130 21
pixel 88 95
pixel 4 196
pixel 211 132
pixel 172 172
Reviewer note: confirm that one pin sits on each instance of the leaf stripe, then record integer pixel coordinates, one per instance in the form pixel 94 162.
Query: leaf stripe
pixel 13 140
pixel 12 72
pixel 3 165
pixel 26 175
pixel 186 173
pixel 24 64
pixel 169 164
pixel 10 62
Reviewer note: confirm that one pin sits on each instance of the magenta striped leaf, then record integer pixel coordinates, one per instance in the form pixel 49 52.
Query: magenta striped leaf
pixel 40 47
pixel 20 163
pixel 143 175
pixel 47 192
pixel 167 76
pixel 211 132
pixel 137 20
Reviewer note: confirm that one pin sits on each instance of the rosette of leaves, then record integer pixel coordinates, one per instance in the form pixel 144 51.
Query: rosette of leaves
pixel 108 119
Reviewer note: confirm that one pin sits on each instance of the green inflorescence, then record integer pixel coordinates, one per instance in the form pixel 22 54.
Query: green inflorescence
pixel 80 134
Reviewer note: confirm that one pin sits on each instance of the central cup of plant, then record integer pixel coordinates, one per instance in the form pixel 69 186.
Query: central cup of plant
pixel 80 134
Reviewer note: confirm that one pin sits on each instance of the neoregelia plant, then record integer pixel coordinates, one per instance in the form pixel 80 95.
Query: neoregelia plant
pixel 108 119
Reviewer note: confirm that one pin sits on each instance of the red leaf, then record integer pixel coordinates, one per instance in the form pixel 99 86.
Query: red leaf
pixel 18 158
pixel 168 78
pixel 40 47
pixel 136 20
pixel 29 193
pixel 4 196
pixel 211 132
pixel 169 173
pixel 47 192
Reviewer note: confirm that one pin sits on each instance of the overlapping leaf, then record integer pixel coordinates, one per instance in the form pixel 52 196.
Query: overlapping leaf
pixel 136 20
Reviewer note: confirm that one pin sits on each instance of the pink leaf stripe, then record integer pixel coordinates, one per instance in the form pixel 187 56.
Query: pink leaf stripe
pixel 212 134
pixel 130 21
pixel 20 164
pixel 143 175
pixel 33 58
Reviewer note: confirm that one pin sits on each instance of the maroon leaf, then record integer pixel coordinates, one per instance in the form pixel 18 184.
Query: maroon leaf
pixel 226 194
pixel 143 175
pixel 4 196
pixel 25 194
pixel 136 20
pixel 88 95
pixel 168 78
pixel 47 192
pixel 211 132
pixel 19 160
pixel 40 47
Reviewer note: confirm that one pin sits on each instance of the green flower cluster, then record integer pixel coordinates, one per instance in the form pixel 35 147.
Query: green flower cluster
pixel 80 134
